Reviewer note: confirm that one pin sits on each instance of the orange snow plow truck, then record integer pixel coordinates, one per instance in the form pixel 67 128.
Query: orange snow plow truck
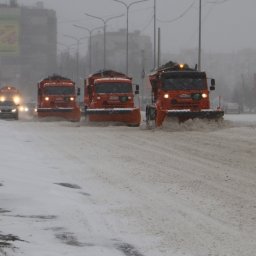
pixel 109 97
pixel 10 93
pixel 181 93
pixel 57 98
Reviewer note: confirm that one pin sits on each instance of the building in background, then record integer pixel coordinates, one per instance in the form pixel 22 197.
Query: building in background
pixel 28 45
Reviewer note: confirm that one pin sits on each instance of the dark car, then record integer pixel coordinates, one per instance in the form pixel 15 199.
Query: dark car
pixel 8 109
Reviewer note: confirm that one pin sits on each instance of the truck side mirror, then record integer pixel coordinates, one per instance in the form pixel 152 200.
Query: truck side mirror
pixel 137 89
pixel 78 91
pixel 212 87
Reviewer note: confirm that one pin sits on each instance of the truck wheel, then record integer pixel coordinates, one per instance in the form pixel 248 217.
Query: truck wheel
pixel 133 125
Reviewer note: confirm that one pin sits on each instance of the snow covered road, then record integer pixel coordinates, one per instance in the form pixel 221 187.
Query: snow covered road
pixel 72 189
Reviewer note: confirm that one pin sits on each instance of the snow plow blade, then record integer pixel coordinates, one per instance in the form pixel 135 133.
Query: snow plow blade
pixel 70 114
pixel 184 115
pixel 128 116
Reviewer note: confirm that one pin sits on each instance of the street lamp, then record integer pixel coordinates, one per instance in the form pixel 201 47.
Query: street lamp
pixel 90 42
pixel 127 25
pixel 77 52
pixel 104 26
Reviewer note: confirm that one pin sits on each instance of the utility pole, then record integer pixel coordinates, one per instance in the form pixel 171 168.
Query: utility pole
pixel 142 77
pixel 199 34
pixel 154 54
pixel 159 48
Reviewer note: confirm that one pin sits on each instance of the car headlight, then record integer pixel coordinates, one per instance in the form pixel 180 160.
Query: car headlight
pixel 23 109
pixel 204 95
pixel 14 110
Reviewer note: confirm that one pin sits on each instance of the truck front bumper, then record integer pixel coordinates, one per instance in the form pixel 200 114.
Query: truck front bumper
pixel 47 110
pixel 187 113
pixel 109 111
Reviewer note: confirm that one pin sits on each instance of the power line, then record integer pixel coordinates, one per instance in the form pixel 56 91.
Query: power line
pixel 210 10
pixel 179 16
pixel 217 2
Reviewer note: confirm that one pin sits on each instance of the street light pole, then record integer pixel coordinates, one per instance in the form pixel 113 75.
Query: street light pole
pixel 77 53
pixel 104 26
pixel 127 28
pixel 90 43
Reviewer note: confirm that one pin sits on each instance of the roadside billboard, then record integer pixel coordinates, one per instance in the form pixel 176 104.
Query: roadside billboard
pixel 9 31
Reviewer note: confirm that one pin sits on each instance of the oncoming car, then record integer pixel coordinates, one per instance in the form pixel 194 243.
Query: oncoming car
pixel 232 108
pixel 8 109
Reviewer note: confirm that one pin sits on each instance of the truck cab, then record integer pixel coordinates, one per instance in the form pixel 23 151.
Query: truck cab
pixel 57 98
pixel 181 92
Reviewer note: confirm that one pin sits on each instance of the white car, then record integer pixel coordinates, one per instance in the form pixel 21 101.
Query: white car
pixel 8 109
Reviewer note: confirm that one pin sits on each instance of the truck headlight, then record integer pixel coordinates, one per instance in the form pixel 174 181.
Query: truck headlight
pixel 166 96
pixel 14 110
pixel 16 99
pixel 204 95
pixel 46 98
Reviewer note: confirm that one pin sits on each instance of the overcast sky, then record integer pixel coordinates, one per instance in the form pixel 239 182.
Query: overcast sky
pixel 227 25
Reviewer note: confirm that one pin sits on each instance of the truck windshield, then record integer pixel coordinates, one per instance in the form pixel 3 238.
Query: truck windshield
pixel 59 90
pixel 184 84
pixel 113 88
pixel 185 80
